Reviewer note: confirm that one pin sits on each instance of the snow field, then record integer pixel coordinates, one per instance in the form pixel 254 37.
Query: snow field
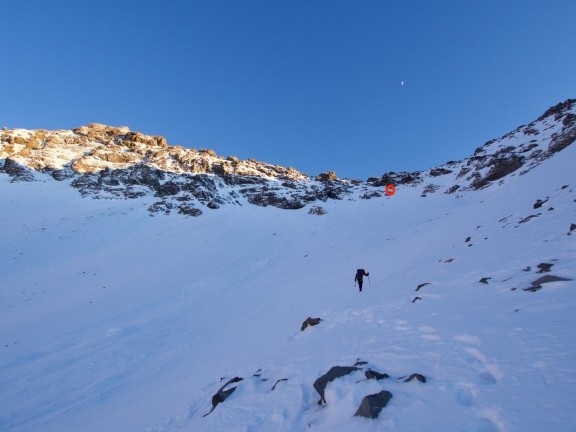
pixel 114 320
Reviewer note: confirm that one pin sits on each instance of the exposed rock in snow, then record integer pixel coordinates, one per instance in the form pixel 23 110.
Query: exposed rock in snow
pixel 370 374
pixel 372 405
pixel 222 394
pixel 422 285
pixel 416 376
pixel 317 210
pixel 309 322
pixel 537 284
pixel 544 267
pixel 334 373
pixel 18 172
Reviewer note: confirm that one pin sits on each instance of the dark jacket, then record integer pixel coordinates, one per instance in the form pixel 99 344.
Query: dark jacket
pixel 360 273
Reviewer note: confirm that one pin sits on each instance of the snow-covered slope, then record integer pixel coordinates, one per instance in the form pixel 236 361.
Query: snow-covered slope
pixel 115 321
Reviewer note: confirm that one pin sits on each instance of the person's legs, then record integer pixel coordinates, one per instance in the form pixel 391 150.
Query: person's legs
pixel 360 282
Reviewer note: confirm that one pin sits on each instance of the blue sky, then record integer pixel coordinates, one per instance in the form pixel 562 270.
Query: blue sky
pixel 315 85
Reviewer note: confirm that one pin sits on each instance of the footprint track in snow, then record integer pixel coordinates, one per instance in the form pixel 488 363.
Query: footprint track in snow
pixel 489 421
pixel 487 373
pixel 466 394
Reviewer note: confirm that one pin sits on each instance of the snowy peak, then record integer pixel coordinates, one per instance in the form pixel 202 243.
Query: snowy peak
pixel 500 159
pixel 114 162
pixel 96 147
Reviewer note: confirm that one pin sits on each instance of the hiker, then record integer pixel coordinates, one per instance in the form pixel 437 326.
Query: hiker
pixel 360 273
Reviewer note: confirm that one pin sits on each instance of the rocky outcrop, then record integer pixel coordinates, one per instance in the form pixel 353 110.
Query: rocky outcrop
pixel 326 177
pixel 18 172
pixel 310 322
pixel 372 405
pixel 402 178
pixel 537 284
pixel 370 374
pixel 334 373
pixel 317 210
pixel 415 376
pixel 500 166
pixel 92 148
pixel 114 162
pixel 497 160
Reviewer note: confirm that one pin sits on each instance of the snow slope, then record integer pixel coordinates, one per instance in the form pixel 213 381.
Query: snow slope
pixel 112 320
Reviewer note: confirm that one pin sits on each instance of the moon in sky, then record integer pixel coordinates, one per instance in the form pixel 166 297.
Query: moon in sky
pixel 401 82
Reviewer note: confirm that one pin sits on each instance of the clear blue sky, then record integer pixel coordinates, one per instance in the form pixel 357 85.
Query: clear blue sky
pixel 311 84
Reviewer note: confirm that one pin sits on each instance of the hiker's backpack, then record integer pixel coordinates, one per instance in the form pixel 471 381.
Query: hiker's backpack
pixel 360 274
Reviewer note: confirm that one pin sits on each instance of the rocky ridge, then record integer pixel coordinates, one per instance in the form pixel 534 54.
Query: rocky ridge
pixel 114 162
pixel 497 160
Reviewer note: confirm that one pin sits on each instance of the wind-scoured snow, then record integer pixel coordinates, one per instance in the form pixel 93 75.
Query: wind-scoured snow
pixel 112 320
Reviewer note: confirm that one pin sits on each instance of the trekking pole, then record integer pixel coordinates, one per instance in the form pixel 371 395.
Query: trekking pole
pixel 369 284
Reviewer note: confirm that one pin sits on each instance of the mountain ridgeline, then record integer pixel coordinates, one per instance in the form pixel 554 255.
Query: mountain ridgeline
pixel 115 162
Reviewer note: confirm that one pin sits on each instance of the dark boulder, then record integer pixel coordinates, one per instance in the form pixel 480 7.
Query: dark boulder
pixel 310 322
pixel 539 203
pixel 417 376
pixel 334 373
pixel 370 374
pixel 537 284
pixel 544 267
pixel 371 405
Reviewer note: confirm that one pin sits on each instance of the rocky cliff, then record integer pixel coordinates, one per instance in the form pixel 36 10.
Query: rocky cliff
pixel 115 162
